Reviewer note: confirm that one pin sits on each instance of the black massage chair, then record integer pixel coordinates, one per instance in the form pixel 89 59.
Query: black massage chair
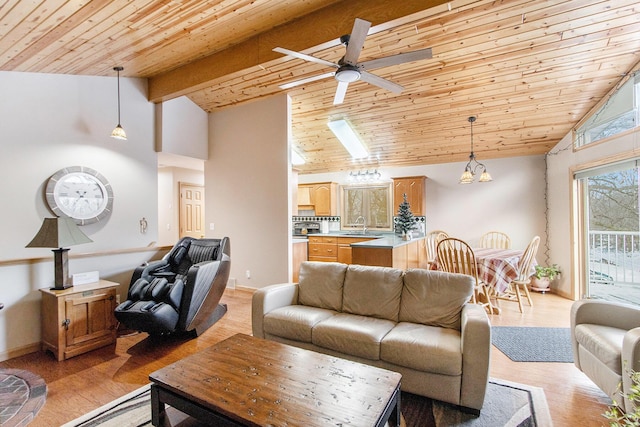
pixel 180 294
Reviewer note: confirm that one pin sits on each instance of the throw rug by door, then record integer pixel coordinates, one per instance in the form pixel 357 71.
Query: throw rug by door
pixel 506 404
pixel 22 395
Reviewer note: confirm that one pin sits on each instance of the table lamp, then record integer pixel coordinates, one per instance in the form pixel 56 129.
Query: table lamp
pixel 56 233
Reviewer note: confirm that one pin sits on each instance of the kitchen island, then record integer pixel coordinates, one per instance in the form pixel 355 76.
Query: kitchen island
pixel 391 251
pixel 379 249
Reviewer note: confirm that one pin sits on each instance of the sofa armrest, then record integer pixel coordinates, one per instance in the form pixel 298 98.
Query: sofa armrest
pixel 606 313
pixel 475 334
pixel 269 298
pixel 630 362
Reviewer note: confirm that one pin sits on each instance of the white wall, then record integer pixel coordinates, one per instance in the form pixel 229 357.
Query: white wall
pixel 512 202
pixel 50 122
pixel 561 160
pixel 247 188
pixel 182 128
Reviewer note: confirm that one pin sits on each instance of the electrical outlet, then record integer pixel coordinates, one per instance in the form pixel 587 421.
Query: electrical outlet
pixel 248 274
pixel 212 226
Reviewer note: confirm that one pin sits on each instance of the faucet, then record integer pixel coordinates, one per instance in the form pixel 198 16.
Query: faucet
pixel 364 223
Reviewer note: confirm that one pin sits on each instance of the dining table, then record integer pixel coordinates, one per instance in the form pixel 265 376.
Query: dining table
pixel 498 267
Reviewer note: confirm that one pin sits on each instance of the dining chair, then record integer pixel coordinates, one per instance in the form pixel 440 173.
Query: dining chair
pixel 432 239
pixel 456 256
pixel 495 239
pixel 521 282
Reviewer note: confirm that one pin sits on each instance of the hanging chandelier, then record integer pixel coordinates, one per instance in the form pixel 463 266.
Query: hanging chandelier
pixel 472 166
pixel 118 132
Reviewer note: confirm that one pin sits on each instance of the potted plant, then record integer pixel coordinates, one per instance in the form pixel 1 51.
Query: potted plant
pixel 543 276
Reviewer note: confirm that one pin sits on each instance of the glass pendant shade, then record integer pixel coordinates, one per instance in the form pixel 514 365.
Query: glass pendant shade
pixel 467 177
pixel 119 133
pixel 485 177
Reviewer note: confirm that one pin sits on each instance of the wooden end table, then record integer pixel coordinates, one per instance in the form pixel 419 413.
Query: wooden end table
pixel 247 381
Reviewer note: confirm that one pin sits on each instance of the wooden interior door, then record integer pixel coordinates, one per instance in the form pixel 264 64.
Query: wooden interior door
pixel 191 210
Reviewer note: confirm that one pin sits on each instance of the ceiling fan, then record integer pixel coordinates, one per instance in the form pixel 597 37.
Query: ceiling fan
pixel 349 69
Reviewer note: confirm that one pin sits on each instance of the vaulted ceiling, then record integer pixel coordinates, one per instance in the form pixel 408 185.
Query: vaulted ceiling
pixel 529 70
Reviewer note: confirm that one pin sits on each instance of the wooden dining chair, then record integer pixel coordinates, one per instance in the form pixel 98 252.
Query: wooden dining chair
pixel 456 256
pixel 432 238
pixel 495 239
pixel 519 286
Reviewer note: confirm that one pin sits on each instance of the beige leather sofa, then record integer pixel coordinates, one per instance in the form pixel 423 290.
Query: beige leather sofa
pixel 418 323
pixel 606 345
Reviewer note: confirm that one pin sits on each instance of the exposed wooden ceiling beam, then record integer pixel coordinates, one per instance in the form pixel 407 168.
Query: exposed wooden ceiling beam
pixel 309 31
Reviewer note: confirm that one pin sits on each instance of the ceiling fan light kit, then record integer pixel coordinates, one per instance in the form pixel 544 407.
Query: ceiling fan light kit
pixel 347 74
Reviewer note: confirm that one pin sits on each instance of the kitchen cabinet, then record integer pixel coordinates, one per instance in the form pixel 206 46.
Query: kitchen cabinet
pixel 299 254
pixel 344 248
pixel 321 197
pixel 414 187
pixel 78 319
pixel 323 248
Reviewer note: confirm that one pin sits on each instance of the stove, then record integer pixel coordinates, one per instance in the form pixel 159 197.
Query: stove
pixel 303 228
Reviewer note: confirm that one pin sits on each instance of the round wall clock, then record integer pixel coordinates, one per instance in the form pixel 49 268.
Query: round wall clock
pixel 80 193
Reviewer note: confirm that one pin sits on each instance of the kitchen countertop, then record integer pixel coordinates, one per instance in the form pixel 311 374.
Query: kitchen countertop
pixel 387 240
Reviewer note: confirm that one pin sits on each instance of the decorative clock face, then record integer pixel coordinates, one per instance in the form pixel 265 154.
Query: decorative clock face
pixel 80 193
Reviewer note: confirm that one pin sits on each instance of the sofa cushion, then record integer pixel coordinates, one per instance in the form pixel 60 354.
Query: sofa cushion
pixel 604 342
pixel 352 334
pixel 372 291
pixel 320 284
pixel 294 321
pixel 434 298
pixel 423 348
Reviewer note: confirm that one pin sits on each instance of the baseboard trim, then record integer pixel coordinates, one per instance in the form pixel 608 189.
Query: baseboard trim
pixel 20 351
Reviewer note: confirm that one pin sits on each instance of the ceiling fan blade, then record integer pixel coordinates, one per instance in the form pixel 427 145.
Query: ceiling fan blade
pixel 380 82
pixel 400 58
pixel 341 91
pixel 356 40
pixel 304 57
pixel 307 80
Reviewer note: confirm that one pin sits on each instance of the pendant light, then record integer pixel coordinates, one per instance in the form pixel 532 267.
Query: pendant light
pixel 472 166
pixel 118 132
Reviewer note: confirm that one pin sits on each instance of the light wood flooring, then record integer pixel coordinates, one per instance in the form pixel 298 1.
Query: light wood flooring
pixel 85 382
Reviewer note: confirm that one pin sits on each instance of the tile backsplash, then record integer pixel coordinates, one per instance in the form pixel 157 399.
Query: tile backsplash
pixel 334 221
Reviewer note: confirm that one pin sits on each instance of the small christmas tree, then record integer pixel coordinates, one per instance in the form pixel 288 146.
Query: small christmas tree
pixel 406 221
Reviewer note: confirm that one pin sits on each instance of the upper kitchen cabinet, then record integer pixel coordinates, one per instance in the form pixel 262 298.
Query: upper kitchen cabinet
pixel 320 197
pixel 414 187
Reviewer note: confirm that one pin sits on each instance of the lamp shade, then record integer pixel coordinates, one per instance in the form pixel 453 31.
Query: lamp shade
pixel 57 233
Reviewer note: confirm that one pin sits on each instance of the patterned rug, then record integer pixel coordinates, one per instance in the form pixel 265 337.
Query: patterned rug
pixel 22 395
pixel 506 404
pixel 532 344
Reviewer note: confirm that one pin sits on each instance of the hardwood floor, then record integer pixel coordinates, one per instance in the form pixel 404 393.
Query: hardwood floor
pixel 83 383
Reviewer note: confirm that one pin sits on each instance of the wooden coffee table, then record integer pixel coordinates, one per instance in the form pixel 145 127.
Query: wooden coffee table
pixel 254 382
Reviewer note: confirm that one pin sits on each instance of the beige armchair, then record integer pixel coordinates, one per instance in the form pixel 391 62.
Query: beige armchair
pixel 606 345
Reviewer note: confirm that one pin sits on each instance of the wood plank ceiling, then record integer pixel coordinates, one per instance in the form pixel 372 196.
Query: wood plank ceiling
pixel 529 70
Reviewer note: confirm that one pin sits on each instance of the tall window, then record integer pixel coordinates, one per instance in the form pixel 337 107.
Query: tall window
pixel 370 203
pixel 611 232
pixel 619 113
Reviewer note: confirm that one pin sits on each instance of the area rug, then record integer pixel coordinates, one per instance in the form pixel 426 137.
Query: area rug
pixel 22 395
pixel 528 344
pixel 506 404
